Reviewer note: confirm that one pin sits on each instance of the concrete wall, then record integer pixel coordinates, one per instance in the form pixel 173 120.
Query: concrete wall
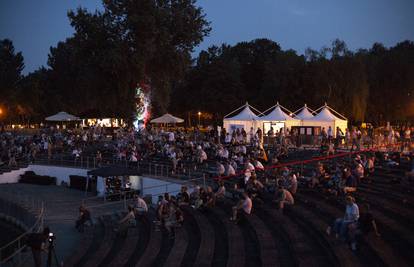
pixel 148 185
pixel 13 176
pixel 61 173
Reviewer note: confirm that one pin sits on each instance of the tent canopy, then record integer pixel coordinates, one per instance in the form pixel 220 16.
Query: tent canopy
pixel 113 171
pixel 245 115
pixel 277 114
pixel 62 116
pixel 167 118
pixel 304 113
pixel 325 114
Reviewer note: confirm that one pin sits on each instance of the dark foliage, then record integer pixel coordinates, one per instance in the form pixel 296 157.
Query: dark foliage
pixel 374 85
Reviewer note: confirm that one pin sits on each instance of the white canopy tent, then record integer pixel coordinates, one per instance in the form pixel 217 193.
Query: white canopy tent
pixel 245 119
pixel 304 113
pixel 278 119
pixel 167 118
pixel 327 117
pixel 62 116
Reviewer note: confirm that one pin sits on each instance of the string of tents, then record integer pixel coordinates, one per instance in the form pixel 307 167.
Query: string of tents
pixel 248 117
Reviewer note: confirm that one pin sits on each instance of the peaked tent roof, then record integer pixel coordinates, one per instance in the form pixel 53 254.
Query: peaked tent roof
pixel 245 115
pixel 167 118
pixel 325 114
pixel 62 116
pixel 277 114
pixel 304 113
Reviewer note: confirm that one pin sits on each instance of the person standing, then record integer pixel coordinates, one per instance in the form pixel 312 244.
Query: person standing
pixel 37 243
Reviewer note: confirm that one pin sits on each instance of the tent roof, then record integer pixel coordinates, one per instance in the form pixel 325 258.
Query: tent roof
pixel 245 115
pixel 277 114
pixel 304 113
pixel 325 115
pixel 113 171
pixel 62 116
pixel 167 118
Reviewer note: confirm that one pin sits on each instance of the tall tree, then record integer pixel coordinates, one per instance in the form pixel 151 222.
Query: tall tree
pixel 11 66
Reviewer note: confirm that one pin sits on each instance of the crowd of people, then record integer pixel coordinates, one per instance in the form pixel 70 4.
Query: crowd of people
pixel 223 155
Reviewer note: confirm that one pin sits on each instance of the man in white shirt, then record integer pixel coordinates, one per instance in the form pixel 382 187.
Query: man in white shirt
pixel 229 170
pixel 351 216
pixel 258 165
pixel 244 206
pixel 220 168
pixel 171 137
pixel 140 205
pixel 249 168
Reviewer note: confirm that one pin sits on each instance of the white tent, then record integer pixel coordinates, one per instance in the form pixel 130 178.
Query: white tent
pixel 167 118
pixel 278 119
pixel 327 117
pixel 62 116
pixel 246 119
pixel 304 113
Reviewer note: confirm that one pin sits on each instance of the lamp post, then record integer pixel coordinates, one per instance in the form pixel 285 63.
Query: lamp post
pixel 199 115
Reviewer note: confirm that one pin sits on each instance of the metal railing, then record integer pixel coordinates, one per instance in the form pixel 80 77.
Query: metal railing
pixel 28 212
pixel 156 169
pixel 123 195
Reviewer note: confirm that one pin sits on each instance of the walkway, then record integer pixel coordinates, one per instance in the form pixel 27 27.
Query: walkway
pixel 62 206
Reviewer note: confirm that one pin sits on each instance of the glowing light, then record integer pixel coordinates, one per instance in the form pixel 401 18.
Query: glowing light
pixel 142 105
pixel 199 113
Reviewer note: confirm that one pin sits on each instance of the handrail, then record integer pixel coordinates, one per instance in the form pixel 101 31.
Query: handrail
pixel 38 225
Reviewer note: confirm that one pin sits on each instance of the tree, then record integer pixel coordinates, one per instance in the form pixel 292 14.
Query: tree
pixel 11 66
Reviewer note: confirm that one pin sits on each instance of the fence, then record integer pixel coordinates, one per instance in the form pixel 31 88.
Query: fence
pixel 154 191
pixel 158 169
pixel 27 211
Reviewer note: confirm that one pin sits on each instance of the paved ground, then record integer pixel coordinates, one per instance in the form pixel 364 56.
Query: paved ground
pixel 62 206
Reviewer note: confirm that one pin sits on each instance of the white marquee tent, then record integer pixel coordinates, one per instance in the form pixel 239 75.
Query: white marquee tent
pixel 277 119
pixel 62 116
pixel 167 118
pixel 246 119
pixel 304 113
pixel 327 117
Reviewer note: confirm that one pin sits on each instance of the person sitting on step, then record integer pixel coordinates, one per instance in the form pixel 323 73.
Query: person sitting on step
pixel 243 207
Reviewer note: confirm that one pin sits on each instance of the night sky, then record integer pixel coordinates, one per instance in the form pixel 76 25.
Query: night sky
pixel 35 25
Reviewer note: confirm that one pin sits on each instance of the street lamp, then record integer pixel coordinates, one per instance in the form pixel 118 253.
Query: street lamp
pixel 199 114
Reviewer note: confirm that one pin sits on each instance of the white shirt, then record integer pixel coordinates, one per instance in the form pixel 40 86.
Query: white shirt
pixel 141 205
pixel 230 171
pixel 171 137
pixel 259 165
pixel 247 205
pixel 248 172
pixel 220 169
pixel 351 213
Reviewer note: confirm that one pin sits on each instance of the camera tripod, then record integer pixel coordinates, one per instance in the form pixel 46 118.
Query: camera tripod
pixel 52 255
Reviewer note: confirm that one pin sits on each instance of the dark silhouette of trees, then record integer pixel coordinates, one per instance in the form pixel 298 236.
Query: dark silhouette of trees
pixel 95 72
pixel 11 66
pixel 374 85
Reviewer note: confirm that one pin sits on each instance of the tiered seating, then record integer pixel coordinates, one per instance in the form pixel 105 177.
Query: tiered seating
pixel 268 237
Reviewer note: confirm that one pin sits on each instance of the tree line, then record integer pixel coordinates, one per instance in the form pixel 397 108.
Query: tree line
pixel 95 72
pixel 371 85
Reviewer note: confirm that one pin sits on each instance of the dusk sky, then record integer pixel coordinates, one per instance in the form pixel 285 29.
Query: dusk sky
pixel 34 26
